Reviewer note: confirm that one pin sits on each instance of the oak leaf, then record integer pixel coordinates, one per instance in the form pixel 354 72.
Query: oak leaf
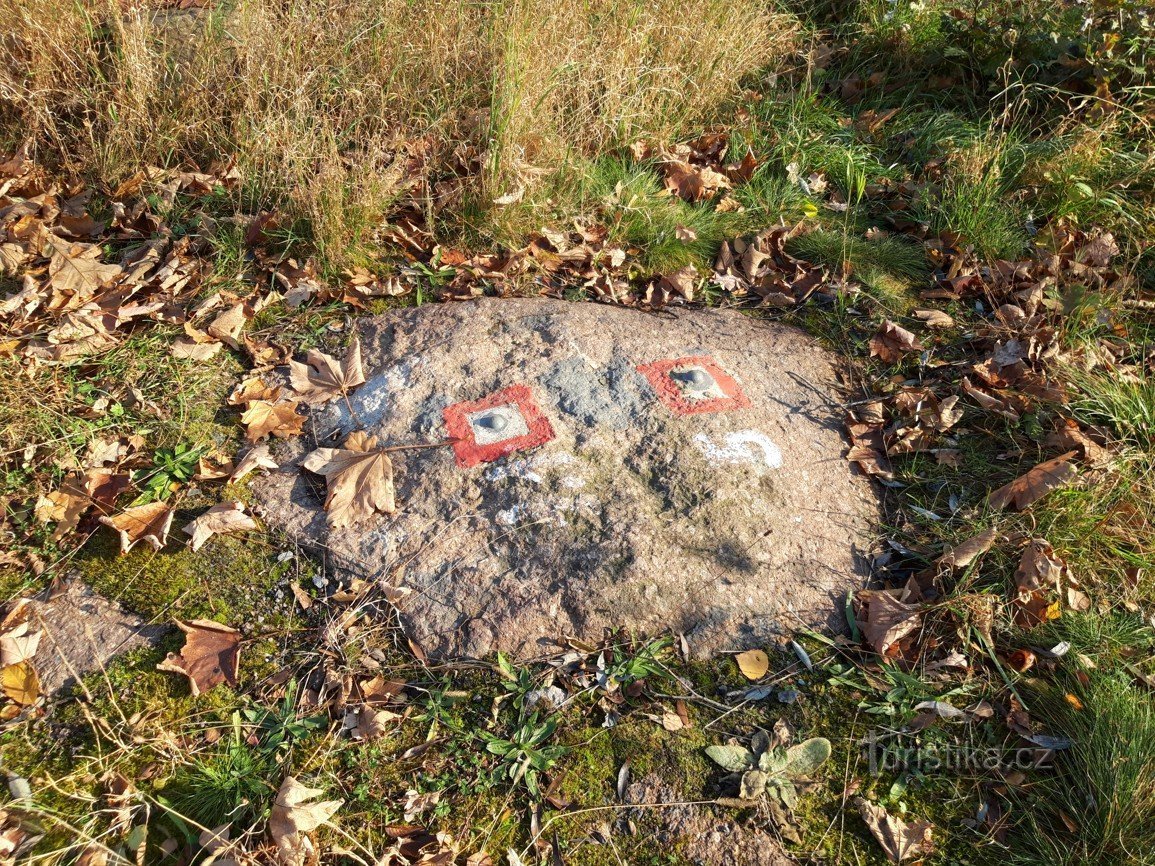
pixel 211 655
pixel 149 523
pixel 359 477
pixel 280 419
pixel 293 816
pixel 222 519
pixel 322 377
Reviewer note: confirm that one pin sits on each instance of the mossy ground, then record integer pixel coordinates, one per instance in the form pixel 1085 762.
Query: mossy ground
pixel 992 171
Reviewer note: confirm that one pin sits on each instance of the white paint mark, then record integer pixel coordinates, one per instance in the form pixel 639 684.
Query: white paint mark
pixel 741 446
pixel 510 516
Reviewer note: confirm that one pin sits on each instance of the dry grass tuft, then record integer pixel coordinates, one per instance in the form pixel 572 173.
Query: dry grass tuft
pixel 321 103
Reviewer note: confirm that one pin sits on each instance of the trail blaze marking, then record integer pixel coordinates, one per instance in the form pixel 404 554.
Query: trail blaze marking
pixel 695 384
pixel 496 425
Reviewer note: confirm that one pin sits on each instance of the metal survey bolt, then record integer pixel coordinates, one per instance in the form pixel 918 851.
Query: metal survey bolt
pixel 697 379
pixel 494 421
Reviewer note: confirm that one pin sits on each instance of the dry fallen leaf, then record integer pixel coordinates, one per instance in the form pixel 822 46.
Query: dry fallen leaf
pixel 255 458
pixel 211 655
pixel 892 342
pixel 76 269
pixel 279 419
pixel 149 523
pixel 293 816
pixel 1036 484
pixel 753 664
pixel 322 377
pixel 359 477
pixel 886 620
pixel 222 519
pixel 227 326
pixel 64 507
pixel 20 683
pixel 691 182
pixel 19 643
pixel 964 553
pixel 900 840
pixel 934 318
pixel 1039 568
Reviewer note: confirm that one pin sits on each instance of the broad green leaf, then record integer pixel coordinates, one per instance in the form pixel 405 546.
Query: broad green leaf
pixel 732 758
pixel 805 758
pixel 773 761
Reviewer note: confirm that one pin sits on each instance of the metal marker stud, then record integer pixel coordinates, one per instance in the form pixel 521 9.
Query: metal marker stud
pixel 698 379
pixel 494 421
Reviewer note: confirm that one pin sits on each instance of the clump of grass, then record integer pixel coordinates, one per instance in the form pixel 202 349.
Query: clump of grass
pixel 1124 405
pixel 669 232
pixel 1104 784
pixel 323 107
pixel 887 265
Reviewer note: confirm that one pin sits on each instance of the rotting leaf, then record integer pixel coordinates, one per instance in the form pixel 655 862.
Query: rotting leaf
pixel 359 477
pixel 293 816
pixel 149 523
pixel 900 840
pixel 1035 484
pixel 222 519
pixel 211 655
pixel 322 377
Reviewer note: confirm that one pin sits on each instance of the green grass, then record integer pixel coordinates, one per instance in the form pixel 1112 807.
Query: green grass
pixel 1099 804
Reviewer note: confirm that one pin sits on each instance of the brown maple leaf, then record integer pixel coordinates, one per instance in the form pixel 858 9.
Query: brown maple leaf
pixel 280 419
pixel 359 477
pixel 899 839
pixel 211 655
pixel 149 523
pixel 293 816
pixel 1036 484
pixel 222 519
pixel 322 377
pixel 75 270
pixel 691 182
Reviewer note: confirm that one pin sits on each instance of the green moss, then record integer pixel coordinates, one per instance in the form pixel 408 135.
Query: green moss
pixel 231 579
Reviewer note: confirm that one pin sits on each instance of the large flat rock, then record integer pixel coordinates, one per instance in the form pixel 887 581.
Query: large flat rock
pixel 664 471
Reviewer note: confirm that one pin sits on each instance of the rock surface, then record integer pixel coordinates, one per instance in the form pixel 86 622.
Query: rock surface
pixel 682 471
pixel 82 632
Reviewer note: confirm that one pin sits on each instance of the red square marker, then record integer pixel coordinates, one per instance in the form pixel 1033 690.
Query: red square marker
pixel 506 421
pixel 695 384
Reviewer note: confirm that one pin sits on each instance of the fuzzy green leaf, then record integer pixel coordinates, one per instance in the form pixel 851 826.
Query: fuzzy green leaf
pixel 806 757
pixel 732 758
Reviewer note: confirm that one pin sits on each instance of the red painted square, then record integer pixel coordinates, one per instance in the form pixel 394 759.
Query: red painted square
pixel 674 396
pixel 470 452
